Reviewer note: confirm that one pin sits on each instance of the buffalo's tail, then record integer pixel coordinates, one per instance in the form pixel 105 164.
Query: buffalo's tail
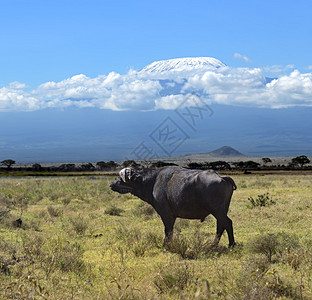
pixel 231 181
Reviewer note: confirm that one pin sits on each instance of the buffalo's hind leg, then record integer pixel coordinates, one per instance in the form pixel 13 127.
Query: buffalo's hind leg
pixel 220 230
pixel 224 223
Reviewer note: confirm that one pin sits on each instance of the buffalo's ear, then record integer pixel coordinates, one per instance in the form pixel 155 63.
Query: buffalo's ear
pixel 126 174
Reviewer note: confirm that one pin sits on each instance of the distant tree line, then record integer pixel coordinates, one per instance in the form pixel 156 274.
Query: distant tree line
pixel 68 167
pixel 299 162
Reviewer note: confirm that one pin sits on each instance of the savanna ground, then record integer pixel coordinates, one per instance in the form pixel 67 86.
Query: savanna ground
pixel 79 240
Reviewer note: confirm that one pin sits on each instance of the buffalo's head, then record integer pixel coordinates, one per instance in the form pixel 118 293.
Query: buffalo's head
pixel 126 182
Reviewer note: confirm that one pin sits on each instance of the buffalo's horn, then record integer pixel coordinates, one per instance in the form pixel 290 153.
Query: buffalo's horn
pixel 125 174
pixel 129 173
pixel 122 175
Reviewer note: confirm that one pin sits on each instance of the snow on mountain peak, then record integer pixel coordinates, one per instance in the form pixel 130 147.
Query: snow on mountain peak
pixel 183 64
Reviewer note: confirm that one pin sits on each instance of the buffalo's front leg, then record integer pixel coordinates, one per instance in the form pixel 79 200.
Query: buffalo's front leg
pixel 168 223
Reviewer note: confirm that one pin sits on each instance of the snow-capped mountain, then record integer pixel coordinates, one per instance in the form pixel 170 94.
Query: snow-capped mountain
pixel 172 74
pixel 183 64
pixel 182 76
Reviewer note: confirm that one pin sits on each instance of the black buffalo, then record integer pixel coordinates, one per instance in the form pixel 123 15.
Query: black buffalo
pixel 176 192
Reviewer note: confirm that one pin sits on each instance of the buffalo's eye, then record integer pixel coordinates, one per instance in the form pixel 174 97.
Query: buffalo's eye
pixel 135 178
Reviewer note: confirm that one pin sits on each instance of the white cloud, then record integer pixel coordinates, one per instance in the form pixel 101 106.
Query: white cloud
pixel 243 57
pixel 170 101
pixel 14 98
pixel 249 87
pixel 139 91
pixel 17 85
pixel 114 91
pixel 275 70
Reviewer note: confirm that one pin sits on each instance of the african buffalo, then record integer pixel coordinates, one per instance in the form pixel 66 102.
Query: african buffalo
pixel 176 192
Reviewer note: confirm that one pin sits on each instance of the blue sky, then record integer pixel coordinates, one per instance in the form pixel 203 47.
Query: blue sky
pixel 62 60
pixel 53 40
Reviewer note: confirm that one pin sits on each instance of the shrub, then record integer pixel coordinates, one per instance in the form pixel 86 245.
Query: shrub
pixel 264 244
pixel 4 213
pixel 66 200
pixel 144 210
pixel 54 211
pixel 243 184
pixel 249 279
pixel 5 217
pixel 181 224
pixel 4 266
pixel 200 244
pixel 287 242
pixel 139 248
pixel 79 224
pixel 154 239
pixel 270 244
pixel 293 258
pixel 258 281
pixel 178 245
pixel 69 257
pixel 261 200
pixel 63 255
pixel 113 211
pixel 32 245
pixel 173 278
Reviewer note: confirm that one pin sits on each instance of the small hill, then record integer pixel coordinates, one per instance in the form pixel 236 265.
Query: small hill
pixel 225 151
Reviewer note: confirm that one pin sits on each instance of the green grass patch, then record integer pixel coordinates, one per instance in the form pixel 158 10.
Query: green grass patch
pixel 80 240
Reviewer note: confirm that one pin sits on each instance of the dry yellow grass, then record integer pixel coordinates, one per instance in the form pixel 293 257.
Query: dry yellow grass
pixel 69 248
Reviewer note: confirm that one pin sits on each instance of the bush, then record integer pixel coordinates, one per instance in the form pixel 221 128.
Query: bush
pixel 139 248
pixel 153 239
pixel 293 258
pixel 4 214
pixel 113 211
pixel 270 244
pixel 69 257
pixel 64 256
pixel 5 217
pixel 258 281
pixel 54 211
pixel 261 200
pixel 178 245
pixel 198 245
pixel 201 245
pixel 249 280
pixel 264 244
pixel 181 224
pixel 173 278
pixel 144 210
pixel 4 266
pixel 33 245
pixel 79 224
pixel 53 254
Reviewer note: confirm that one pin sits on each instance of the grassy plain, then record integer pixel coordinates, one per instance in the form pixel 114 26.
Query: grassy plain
pixel 79 240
